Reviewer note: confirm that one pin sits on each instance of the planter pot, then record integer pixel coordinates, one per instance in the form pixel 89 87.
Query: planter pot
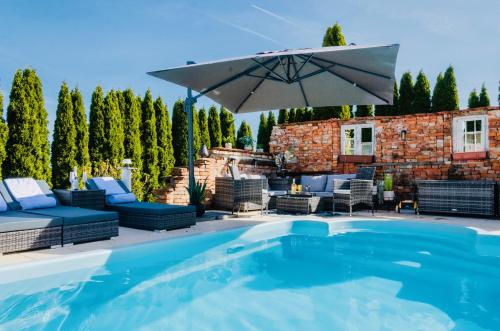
pixel 389 195
pixel 248 148
pixel 228 145
pixel 200 210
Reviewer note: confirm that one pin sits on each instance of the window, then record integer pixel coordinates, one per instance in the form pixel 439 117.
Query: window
pixel 357 139
pixel 470 134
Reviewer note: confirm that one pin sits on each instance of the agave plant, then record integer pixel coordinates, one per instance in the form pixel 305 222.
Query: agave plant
pixel 197 193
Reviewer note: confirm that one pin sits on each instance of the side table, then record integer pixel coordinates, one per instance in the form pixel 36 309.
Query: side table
pixel 91 199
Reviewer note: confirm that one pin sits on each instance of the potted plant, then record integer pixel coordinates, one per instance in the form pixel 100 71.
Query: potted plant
pixel 260 148
pixel 197 197
pixel 388 192
pixel 247 142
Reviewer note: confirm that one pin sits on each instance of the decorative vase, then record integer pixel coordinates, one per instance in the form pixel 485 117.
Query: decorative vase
pixel 389 195
pixel 228 145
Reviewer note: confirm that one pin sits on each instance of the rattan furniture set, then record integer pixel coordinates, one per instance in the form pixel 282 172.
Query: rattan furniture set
pixel 80 216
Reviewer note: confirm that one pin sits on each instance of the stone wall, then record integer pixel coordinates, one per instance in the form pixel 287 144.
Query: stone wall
pixel 426 153
pixel 217 164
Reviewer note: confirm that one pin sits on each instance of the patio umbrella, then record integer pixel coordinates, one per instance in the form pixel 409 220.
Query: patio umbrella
pixel 312 77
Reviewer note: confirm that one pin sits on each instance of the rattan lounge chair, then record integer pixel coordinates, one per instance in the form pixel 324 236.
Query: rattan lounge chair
pixel 78 224
pixel 355 191
pixel 149 215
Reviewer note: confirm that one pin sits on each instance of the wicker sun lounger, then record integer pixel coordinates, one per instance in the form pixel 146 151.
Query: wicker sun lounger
pixel 151 216
pixel 78 224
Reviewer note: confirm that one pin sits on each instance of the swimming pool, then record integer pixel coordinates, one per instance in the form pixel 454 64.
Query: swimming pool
pixel 360 275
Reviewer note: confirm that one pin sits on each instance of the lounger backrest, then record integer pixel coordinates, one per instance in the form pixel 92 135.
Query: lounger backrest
pixel 92 186
pixel 11 203
pixel 367 173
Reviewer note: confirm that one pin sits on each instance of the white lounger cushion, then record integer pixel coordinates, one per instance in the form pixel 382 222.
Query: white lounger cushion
pixel 121 198
pixel 29 194
pixel 109 184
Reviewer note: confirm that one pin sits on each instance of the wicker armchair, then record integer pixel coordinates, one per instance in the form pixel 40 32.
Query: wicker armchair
pixel 355 191
pixel 240 194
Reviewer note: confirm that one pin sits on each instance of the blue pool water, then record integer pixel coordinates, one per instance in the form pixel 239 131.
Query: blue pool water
pixel 283 276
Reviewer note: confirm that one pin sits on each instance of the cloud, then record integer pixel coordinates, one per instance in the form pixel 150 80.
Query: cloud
pixel 245 29
pixel 279 17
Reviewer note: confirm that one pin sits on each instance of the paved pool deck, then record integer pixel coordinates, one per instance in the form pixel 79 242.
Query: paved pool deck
pixel 132 236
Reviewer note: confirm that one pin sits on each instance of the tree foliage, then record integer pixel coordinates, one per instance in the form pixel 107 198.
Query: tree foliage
pixel 438 94
pixel 262 133
pixel 180 134
pixel 214 129
pixel 149 140
pixel 113 129
pixel 473 101
pixel 203 125
pixel 406 94
pixel 82 157
pixel 283 116
pixel 63 156
pixel 164 134
pixel 422 95
pixel 96 128
pixel 450 91
pixel 364 111
pixel 243 131
pixel 292 115
pixel 4 135
pixel 271 122
pixel 484 99
pixel 227 126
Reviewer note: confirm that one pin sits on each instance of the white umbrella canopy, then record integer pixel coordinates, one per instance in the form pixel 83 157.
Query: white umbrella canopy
pixel 327 76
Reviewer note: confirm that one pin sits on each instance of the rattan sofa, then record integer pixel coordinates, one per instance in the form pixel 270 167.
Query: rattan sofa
pixel 149 215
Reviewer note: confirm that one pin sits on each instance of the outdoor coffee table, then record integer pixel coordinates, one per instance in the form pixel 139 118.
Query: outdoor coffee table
pixel 295 204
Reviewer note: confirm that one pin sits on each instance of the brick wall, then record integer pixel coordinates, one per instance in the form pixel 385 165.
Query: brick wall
pixel 214 166
pixel 427 152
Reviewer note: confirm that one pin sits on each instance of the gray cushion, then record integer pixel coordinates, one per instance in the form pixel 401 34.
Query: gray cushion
pixel 75 215
pixel 315 183
pixel 19 221
pixel 342 191
pixel 151 208
pixel 331 178
pixel 275 193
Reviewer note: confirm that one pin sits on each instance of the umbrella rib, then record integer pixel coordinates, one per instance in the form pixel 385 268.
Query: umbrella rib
pixel 353 68
pixel 284 70
pixel 271 71
pixel 348 80
pixel 302 66
pixel 232 78
pixel 300 85
pixel 255 89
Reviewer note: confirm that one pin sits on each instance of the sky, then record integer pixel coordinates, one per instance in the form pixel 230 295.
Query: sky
pixel 114 43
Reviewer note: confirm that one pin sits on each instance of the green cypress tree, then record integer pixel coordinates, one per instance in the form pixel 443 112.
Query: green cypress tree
pixel 364 111
pixel 473 101
pixel 406 94
pixel 149 141
pixel 388 110
pixel 484 99
pixel 262 133
pixel 450 91
pixel 164 132
pixel 333 37
pixel 292 116
pixel 63 157
pixel 243 131
pixel 271 122
pixel 82 157
pixel 203 124
pixel 196 134
pixel 308 114
pixel 437 95
pixel 132 146
pixel 422 95
pixel 180 134
pixel 283 116
pixel 97 134
pixel 4 135
pixel 227 126
pixel 40 130
pixel 113 126
pixel 214 129
pixel 300 116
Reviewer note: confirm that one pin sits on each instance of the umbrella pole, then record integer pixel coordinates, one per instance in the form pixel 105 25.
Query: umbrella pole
pixel 188 106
